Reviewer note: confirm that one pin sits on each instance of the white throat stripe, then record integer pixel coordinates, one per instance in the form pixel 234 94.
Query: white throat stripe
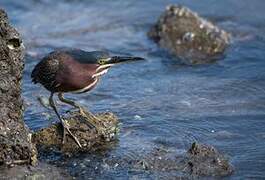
pixel 87 87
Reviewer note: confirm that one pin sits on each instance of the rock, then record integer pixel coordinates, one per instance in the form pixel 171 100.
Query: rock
pixel 40 172
pixel 205 160
pixel 51 137
pixel 188 36
pixel 15 139
pixel 199 161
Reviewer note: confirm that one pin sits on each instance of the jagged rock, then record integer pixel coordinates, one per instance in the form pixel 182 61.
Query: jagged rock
pixel 199 161
pixel 205 160
pixel 51 137
pixel 15 139
pixel 188 36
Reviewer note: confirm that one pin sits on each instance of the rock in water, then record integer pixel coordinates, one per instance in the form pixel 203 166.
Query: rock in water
pixel 15 139
pixel 188 36
pixel 199 162
pixel 40 172
pixel 89 138
pixel 205 160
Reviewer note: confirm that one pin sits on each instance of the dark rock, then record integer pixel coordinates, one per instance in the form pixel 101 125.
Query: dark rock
pixel 205 160
pixel 89 138
pixel 188 36
pixel 198 161
pixel 15 139
pixel 40 172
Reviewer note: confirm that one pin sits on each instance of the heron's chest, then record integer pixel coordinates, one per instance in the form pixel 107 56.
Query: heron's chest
pixel 76 78
pixel 90 86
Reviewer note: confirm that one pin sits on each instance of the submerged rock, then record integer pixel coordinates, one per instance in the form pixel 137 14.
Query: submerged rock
pixel 40 172
pixel 200 160
pixel 90 138
pixel 188 36
pixel 205 160
pixel 15 139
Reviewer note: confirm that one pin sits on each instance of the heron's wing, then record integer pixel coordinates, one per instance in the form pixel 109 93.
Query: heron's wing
pixel 87 57
pixel 45 73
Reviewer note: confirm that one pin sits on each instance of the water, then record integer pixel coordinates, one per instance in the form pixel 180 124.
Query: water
pixel 160 102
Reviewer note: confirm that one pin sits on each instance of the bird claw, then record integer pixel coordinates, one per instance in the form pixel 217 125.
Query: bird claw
pixel 82 111
pixel 91 118
pixel 66 128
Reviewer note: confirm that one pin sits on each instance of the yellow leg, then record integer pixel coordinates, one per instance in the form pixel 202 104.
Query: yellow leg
pixel 64 123
pixel 92 118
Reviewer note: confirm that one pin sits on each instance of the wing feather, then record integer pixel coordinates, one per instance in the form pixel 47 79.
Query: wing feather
pixel 85 57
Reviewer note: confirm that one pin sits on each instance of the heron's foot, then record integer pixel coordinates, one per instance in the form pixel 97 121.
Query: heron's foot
pixel 82 111
pixel 66 128
pixel 91 118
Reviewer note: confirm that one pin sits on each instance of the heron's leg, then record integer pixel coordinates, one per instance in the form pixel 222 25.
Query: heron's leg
pixel 70 102
pixel 74 104
pixel 65 125
pixel 92 120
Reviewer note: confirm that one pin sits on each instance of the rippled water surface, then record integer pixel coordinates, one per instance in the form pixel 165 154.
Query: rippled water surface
pixel 159 101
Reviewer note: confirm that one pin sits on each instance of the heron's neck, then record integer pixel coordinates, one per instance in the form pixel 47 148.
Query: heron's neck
pixel 101 70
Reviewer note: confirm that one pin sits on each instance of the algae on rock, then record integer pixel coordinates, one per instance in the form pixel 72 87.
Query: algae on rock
pixel 90 138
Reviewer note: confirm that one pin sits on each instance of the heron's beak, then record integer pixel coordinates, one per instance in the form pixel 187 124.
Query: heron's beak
pixel 109 62
pixel 120 59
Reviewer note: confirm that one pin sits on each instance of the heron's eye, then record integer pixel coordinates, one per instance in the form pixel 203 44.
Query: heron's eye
pixel 101 61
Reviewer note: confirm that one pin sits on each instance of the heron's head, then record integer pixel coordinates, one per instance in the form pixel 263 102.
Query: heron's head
pixel 105 63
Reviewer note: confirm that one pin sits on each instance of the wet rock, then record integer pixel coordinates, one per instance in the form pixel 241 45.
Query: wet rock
pixel 188 36
pixel 40 172
pixel 15 139
pixel 199 161
pixel 89 138
pixel 205 160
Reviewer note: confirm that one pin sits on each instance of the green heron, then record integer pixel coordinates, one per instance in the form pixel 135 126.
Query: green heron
pixel 75 71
